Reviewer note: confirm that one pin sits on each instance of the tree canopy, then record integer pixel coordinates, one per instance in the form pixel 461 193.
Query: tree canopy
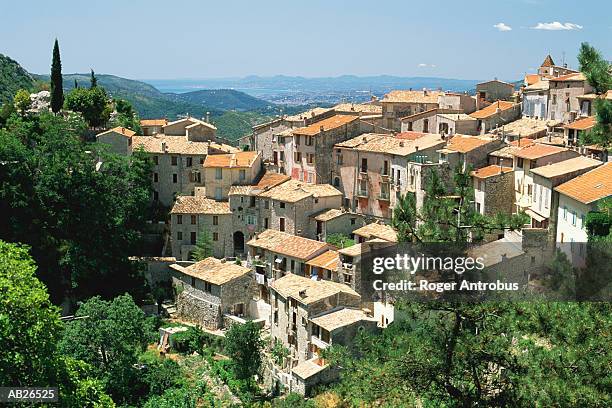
pixel 57 86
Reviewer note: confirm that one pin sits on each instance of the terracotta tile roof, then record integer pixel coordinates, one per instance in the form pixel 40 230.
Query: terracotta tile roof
pixel 455 116
pixel 312 291
pixel 358 108
pixel 153 122
pixel 287 244
pixel 410 135
pixel 576 76
pixel 582 124
pixel 375 230
pixel 531 79
pixel 521 142
pixel 334 122
pixel 524 127
pixel 194 122
pixel 309 114
pixel 178 145
pixel 538 86
pixel 232 160
pixel 389 144
pixel 293 190
pixel 497 81
pixel 566 167
pixel 365 247
pixel 329 260
pixel 214 271
pixel 490 171
pixel 492 109
pixel 329 214
pixel 537 150
pixel 199 205
pixel 267 181
pixel 548 62
pixel 591 186
pixel 505 152
pixel 403 96
pixel 340 318
pixel 121 130
pixel 308 368
pixel 465 144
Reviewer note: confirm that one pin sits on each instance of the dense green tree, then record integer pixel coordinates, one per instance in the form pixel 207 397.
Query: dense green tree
pixel 599 75
pixel 173 398
pixel 30 330
pixel 57 87
pixel 83 220
pixel 8 108
pixel 126 116
pixel 203 247
pixel 22 101
pixel 243 344
pixel 160 376
pixel 110 335
pixel 92 103
pixel 340 240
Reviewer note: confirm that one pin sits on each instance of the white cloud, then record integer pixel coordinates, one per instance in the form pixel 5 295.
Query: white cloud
pixel 556 26
pixel 422 65
pixel 502 27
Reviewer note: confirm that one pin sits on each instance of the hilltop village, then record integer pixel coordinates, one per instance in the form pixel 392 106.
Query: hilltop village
pixel 287 216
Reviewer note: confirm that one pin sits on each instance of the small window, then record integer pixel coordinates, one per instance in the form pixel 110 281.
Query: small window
pixel 194 238
pixel 281 224
pixel 266 204
pixel 155 177
pixel 364 165
pixel 155 195
pixel 155 160
pixel 242 175
pixel 179 236
pixel 353 221
pixel 215 236
pixel 179 219
pixel 174 160
pixel 175 178
pixel 193 219
pixel 219 174
pixel 188 161
pixel 207 287
pixel 282 204
pixel 297 140
pixel 193 282
pixel 215 220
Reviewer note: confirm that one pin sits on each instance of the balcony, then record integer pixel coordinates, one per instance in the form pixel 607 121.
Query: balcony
pixel 318 342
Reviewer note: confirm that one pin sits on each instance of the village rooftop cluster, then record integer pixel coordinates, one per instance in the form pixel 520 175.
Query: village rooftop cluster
pixel 271 205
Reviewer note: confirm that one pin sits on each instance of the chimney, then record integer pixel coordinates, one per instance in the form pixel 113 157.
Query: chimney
pixel 321 128
pixel 207 117
pixel 302 293
pixel 425 91
pixel 416 148
pixel 401 144
pixel 164 147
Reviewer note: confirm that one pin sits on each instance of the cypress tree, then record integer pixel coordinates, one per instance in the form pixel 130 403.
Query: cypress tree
pixel 94 80
pixel 76 84
pixel 57 90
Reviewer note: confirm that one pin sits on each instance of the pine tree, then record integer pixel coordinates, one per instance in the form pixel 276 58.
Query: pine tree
pixel 94 80
pixel 204 246
pixel 76 84
pixel 57 90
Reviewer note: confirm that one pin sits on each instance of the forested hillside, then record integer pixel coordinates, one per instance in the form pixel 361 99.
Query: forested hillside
pixel 12 78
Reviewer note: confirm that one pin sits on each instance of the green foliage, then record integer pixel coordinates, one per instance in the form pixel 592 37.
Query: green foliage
pixel 243 344
pixel 12 78
pixel 109 335
pixel 340 240
pixel 232 125
pixel 160 376
pixel 279 352
pixel 599 223
pixel 173 398
pixel 189 341
pixel 22 101
pixel 29 323
pixel 78 388
pixel 93 81
pixel 57 87
pixel 81 222
pixel 204 246
pixel 8 109
pixel 293 400
pixel 92 103
pixel 126 116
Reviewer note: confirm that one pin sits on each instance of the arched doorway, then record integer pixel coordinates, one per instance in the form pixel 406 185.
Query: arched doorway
pixel 238 243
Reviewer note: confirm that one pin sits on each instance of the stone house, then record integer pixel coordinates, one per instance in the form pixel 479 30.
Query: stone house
pixel 152 127
pixel 375 230
pixel 288 206
pixel 457 101
pixel 275 254
pixel 425 122
pixel 528 158
pixel 493 190
pixel 368 167
pixel 118 139
pixel 222 171
pixel 563 103
pixel 543 209
pixel 577 198
pixel 470 150
pixel 190 215
pixel 572 132
pixel 193 129
pixel 296 301
pixel 494 90
pixel 452 123
pixel 535 100
pixel 549 69
pixel 522 129
pixel 401 103
pixel 211 291
pixel 336 221
pixel 496 114
pixel 177 164
pixel 324 267
pixel 310 146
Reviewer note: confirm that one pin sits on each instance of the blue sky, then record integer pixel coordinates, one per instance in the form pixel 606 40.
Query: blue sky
pixel 205 39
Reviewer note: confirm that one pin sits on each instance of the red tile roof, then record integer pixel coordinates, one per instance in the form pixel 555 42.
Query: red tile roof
pixel 537 150
pixel 232 160
pixel 492 109
pixel 591 186
pixel 575 76
pixel 489 171
pixel 153 122
pixel 325 124
pixel 522 142
pixel 410 135
pixel 582 124
pixel 464 144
